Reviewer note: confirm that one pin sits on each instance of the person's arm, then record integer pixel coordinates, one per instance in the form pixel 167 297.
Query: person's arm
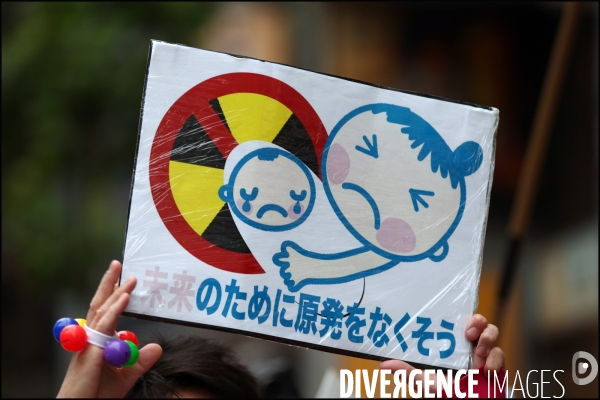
pixel 486 357
pixel 89 376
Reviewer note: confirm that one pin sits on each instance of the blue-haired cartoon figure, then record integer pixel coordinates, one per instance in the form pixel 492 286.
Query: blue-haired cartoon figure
pixel 397 187
pixel 270 189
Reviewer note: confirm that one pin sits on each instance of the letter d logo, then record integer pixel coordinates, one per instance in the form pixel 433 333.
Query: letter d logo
pixel 583 366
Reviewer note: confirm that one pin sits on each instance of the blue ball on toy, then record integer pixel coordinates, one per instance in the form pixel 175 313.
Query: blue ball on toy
pixel 60 325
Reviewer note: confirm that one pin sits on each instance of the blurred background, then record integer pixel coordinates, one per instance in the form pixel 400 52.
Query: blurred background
pixel 72 80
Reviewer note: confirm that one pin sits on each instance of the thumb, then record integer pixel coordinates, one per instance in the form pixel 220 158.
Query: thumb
pixel 116 382
pixel 149 355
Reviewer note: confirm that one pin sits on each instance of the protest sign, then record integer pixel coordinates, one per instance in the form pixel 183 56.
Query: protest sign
pixel 306 208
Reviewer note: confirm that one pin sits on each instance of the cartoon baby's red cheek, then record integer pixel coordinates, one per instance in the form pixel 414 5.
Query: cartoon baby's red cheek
pixel 338 164
pixel 240 204
pixel 292 214
pixel 396 235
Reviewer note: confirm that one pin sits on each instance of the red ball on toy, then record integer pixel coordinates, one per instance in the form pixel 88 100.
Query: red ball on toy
pixel 127 335
pixel 73 338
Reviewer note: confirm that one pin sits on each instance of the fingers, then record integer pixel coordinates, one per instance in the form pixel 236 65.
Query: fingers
pixel 126 287
pixel 475 326
pixel 107 322
pixel 105 289
pixel 83 374
pixel 487 341
pixel 495 360
pixel 118 381
pixel 486 336
pixel 149 355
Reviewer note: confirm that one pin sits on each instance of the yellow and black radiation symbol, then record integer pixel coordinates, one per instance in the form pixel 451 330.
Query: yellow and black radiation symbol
pixel 193 141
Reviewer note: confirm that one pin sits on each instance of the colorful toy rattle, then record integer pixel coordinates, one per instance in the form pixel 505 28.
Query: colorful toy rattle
pixel 120 350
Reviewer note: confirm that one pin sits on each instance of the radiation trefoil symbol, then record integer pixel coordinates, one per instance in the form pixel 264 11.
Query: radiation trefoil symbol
pixel 192 144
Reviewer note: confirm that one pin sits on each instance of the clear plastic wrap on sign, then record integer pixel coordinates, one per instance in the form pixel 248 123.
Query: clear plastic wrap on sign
pixel 308 209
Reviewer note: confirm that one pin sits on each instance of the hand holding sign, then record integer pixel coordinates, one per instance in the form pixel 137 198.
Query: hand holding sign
pixel 89 376
pixel 485 354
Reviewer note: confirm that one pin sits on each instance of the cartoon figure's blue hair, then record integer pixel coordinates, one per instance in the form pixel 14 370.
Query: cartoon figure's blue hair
pixel 463 161
pixel 267 154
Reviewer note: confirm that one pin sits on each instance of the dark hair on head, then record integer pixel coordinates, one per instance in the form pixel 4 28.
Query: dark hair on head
pixel 195 363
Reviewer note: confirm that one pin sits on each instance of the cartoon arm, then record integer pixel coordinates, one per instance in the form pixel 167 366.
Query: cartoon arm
pixel 300 267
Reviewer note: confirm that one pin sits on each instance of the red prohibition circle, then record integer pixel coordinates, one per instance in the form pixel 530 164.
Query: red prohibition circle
pixel 196 102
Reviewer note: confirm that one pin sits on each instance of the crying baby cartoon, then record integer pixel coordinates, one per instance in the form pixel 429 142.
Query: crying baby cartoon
pixel 389 178
pixel 270 189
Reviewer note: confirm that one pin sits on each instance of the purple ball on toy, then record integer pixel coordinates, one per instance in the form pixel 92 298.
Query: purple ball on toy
pixel 117 353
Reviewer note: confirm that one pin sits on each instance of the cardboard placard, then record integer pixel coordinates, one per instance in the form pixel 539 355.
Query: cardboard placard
pixel 307 209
